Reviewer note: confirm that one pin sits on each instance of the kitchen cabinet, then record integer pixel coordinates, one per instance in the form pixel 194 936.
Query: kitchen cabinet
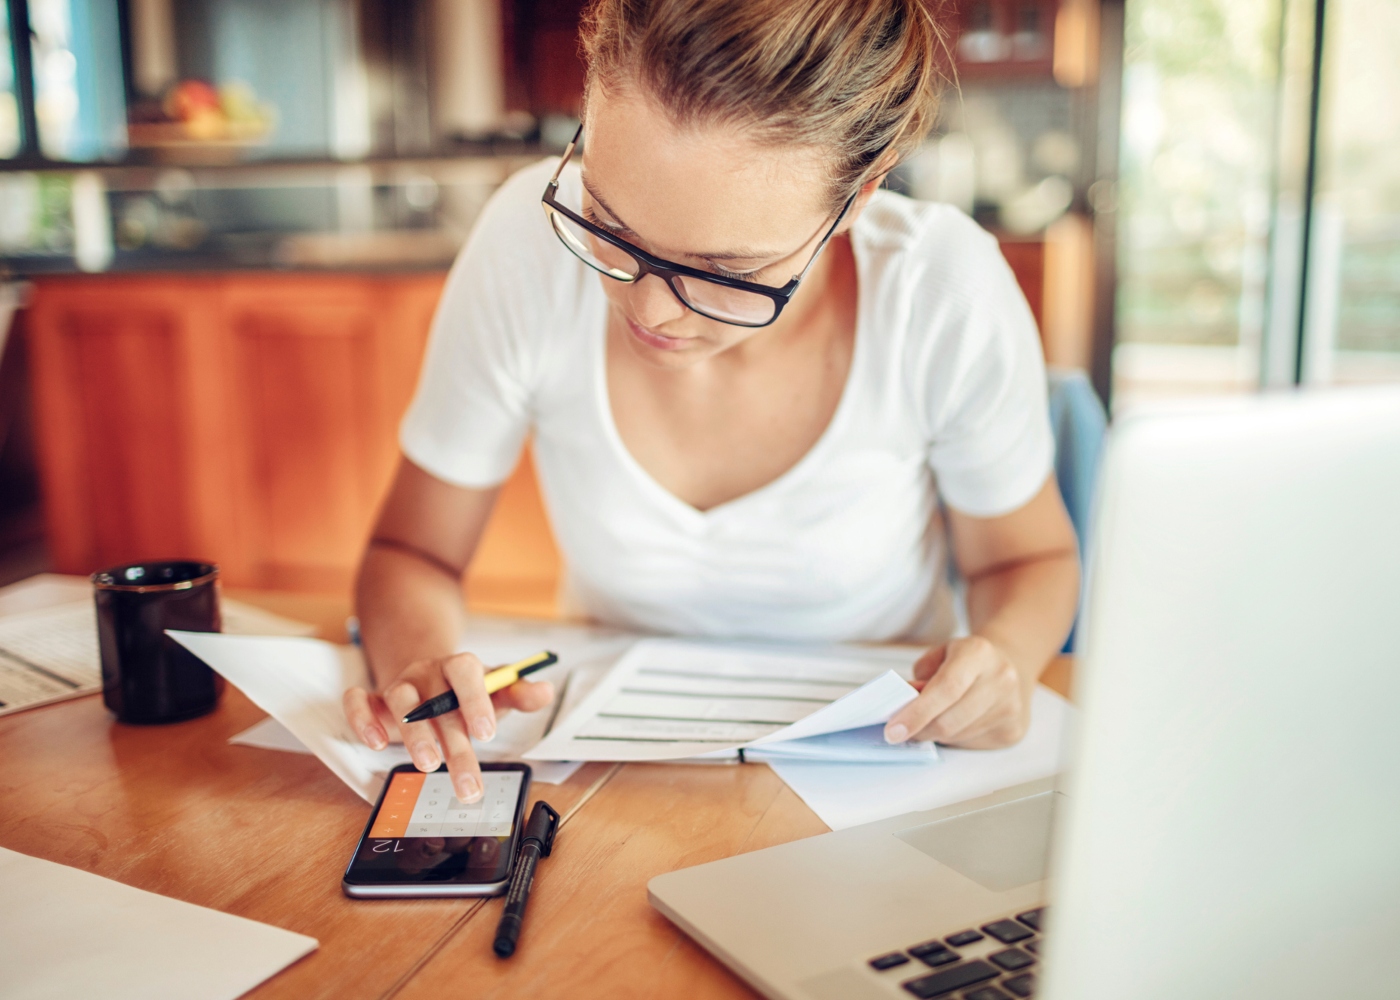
pixel 248 419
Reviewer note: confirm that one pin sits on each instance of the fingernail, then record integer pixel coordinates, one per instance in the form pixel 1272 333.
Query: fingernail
pixel 468 789
pixel 373 738
pixel 425 757
pixel 896 733
pixel 483 728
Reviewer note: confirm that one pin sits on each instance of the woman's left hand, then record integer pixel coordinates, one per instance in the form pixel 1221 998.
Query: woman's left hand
pixel 970 695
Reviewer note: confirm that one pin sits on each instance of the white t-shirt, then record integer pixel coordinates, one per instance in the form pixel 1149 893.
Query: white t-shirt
pixel 945 397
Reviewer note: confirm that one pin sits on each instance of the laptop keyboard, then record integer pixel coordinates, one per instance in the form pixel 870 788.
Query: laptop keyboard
pixel 1005 973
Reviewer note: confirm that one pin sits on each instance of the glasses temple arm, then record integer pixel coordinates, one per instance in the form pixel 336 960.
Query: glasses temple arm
pixel 827 238
pixel 568 152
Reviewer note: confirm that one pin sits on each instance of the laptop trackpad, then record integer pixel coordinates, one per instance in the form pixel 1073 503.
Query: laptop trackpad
pixel 1000 848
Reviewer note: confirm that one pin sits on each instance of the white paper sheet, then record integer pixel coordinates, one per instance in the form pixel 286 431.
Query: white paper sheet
pixel 671 699
pixel 852 746
pixel 299 682
pixel 846 795
pixel 69 933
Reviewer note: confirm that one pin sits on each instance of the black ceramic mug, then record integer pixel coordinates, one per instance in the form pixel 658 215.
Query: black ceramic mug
pixel 147 676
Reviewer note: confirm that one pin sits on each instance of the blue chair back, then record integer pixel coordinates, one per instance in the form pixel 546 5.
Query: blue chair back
pixel 1080 425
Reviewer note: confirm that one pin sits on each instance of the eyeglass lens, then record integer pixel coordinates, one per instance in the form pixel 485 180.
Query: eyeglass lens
pixel 597 254
pixel 721 302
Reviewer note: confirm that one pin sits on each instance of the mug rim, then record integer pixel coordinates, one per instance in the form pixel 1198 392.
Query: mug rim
pixel 208 571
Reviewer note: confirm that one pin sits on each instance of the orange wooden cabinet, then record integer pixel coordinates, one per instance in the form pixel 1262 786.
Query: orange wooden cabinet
pixel 249 419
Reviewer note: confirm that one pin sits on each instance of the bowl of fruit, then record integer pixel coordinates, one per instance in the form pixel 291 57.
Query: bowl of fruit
pixel 198 121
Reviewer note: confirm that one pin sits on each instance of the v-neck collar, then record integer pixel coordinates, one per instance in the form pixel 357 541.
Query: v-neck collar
pixel 687 512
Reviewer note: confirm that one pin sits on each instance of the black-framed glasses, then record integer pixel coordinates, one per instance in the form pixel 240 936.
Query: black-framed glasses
pixel 729 300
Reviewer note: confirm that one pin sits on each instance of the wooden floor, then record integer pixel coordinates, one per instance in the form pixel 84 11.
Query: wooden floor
pixel 266 835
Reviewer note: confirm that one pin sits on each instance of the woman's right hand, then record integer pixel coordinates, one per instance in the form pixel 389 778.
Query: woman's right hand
pixel 377 718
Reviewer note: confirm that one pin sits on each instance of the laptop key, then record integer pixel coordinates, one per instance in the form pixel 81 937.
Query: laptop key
pixel 933 954
pixel 1031 918
pixel 1011 959
pixel 952 979
pixel 1007 931
pixel 1022 985
pixel 963 938
pixel 1032 946
pixel 889 961
pixel 985 993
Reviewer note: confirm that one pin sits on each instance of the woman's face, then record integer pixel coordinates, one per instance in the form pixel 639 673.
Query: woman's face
pixel 708 198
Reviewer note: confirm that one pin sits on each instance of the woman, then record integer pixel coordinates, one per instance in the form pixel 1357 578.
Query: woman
pixel 754 381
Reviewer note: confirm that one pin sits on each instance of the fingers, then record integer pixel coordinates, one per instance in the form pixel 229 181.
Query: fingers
pixel 968 712
pixel 419 738
pixel 360 713
pixel 1004 725
pixel 941 691
pixel 461 760
pixel 972 696
pixel 524 696
pixel 376 720
pixel 930 662
pixel 464 672
pixel 385 717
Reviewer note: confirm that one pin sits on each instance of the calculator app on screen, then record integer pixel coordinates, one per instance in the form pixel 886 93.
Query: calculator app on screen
pixel 424 805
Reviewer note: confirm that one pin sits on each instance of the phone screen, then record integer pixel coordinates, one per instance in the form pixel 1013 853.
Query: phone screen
pixel 422 833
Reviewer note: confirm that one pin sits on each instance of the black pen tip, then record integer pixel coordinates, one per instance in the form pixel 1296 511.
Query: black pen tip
pixel 504 947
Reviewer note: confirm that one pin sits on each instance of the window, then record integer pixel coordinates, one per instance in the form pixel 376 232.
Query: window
pixel 1195 181
pixel 1259 203
pixel 1352 331
pixel 10 138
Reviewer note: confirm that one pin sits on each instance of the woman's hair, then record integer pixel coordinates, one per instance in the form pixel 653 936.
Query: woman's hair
pixel 855 77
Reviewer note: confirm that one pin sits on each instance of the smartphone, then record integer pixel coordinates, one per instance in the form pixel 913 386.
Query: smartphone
pixel 422 841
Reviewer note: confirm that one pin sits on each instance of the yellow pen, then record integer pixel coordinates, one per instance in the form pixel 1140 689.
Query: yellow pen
pixel 500 677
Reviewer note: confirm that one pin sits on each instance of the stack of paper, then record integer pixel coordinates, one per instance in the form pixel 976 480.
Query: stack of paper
pixel 816 715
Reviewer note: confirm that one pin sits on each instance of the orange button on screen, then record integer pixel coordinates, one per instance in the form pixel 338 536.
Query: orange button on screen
pixel 399 801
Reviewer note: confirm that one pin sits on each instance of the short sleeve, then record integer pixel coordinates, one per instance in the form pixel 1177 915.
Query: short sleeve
pixel 472 409
pixel 981 379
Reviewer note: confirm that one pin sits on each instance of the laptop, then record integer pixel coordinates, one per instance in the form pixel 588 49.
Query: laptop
pixel 1230 826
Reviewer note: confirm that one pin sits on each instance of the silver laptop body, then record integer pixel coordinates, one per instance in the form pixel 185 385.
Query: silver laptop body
pixel 1231 825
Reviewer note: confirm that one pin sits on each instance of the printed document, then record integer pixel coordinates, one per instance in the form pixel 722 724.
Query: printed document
pixel 672 699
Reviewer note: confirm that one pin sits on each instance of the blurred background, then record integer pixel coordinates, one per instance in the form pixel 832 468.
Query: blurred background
pixel 224 225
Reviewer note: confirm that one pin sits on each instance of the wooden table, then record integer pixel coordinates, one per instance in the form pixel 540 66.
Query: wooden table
pixel 266 835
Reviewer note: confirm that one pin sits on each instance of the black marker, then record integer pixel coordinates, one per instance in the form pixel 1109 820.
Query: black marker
pixel 538 840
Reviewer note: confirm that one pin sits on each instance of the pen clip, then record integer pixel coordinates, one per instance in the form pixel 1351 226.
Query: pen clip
pixel 541 827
